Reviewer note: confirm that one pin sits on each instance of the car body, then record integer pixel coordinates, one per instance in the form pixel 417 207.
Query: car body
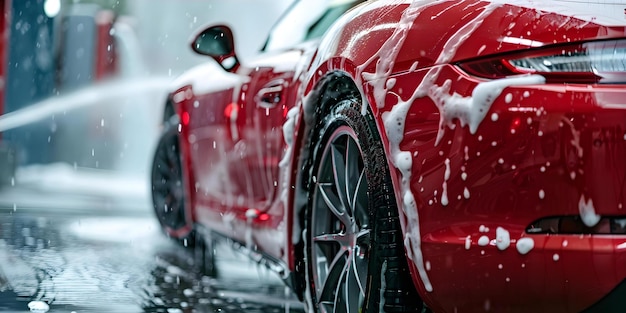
pixel 502 126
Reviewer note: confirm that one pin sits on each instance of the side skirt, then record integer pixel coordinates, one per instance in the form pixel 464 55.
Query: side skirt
pixel 273 264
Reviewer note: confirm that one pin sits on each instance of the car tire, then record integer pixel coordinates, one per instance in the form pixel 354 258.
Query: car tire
pixel 168 193
pixel 353 242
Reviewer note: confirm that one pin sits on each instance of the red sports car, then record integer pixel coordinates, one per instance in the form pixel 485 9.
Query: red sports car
pixel 396 156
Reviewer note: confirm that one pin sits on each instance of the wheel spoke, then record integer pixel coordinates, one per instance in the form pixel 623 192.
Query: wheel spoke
pixel 342 305
pixel 163 166
pixel 353 291
pixel 360 202
pixel 339 175
pixel 336 272
pixel 360 257
pixel 341 239
pixel 172 153
pixel 160 185
pixel 334 203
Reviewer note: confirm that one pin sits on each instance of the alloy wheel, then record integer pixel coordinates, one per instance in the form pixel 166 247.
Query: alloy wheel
pixel 340 230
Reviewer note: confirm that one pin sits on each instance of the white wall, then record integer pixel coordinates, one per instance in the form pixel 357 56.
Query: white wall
pixel 165 28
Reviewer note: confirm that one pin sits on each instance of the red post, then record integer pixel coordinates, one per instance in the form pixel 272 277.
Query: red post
pixel 105 63
pixel 5 5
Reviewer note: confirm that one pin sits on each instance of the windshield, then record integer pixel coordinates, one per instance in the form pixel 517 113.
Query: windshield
pixel 306 20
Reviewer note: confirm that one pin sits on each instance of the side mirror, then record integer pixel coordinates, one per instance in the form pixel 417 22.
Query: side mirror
pixel 218 43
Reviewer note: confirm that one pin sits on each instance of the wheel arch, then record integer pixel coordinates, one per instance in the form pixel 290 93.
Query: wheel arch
pixel 170 116
pixel 331 89
pixel 325 91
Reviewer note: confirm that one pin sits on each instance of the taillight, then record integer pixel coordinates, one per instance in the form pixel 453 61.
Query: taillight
pixel 586 63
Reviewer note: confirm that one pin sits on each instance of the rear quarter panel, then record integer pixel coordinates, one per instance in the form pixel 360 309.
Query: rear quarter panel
pixel 397 52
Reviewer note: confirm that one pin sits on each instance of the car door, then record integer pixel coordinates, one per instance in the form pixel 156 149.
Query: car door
pixel 261 145
pixel 233 124
pixel 207 116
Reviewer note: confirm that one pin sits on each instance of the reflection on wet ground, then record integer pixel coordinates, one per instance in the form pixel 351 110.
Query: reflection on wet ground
pixel 91 262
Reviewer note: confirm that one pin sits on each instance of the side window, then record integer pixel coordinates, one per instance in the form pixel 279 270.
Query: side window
pixel 305 20
pixel 327 19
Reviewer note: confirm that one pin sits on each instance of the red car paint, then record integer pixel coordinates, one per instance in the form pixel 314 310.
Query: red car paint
pixel 542 150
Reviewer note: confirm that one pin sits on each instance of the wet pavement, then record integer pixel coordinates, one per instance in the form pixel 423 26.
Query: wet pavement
pixel 97 257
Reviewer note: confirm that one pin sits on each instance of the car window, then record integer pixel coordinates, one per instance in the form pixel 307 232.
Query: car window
pixel 331 14
pixel 306 20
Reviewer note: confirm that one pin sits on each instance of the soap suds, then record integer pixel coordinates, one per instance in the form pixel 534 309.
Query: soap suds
pixel 483 241
pixel 524 245
pixel 503 239
pixel 472 110
pixel 588 212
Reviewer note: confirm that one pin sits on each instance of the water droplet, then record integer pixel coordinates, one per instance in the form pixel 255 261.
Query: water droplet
pixel 466 193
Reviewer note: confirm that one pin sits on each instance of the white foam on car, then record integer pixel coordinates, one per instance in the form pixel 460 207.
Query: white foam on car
pixel 483 241
pixel 289 129
pixel 575 142
pixel 524 245
pixel 472 110
pixel 387 55
pixel 453 43
pixel 446 176
pixel 503 238
pixel 588 212
pixel 394 126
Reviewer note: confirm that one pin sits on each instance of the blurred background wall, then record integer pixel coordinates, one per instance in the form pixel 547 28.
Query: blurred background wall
pixel 83 82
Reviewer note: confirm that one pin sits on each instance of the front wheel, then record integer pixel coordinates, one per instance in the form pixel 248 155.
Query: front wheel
pixel 354 252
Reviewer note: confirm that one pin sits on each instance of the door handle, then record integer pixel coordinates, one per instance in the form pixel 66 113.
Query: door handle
pixel 270 96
